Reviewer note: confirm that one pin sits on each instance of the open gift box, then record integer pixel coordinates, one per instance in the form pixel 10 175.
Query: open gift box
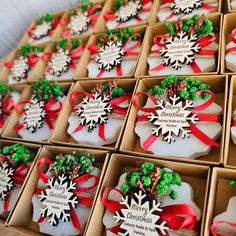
pixel 131 142
pixel 21 218
pixel 143 69
pixel 32 147
pixel 61 135
pixel 11 131
pixel 195 175
pixel 221 203
pixel 128 61
pixel 42 67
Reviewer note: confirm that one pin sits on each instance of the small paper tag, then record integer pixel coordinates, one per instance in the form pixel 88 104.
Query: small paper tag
pixel 34 115
pixel 60 62
pixel 79 23
pixel 180 50
pixel 20 68
pixel 140 216
pixel 128 11
pixel 94 111
pixel 6 181
pixel 110 55
pixel 58 199
pixel 184 6
pixel 41 30
pixel 172 118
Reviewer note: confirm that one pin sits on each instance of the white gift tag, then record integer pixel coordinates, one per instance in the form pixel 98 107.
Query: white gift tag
pixel 41 30
pixel 79 23
pixel 20 69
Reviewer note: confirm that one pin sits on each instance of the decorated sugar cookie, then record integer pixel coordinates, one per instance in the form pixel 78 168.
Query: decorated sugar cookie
pixel 38 115
pixel 64 195
pixel 230 53
pixel 128 13
pixel 20 68
pixel 100 111
pixel 15 161
pixel 115 54
pixel 150 200
pixel 188 47
pixel 63 59
pixel 171 10
pixel 81 19
pixel 180 112
pixel 42 31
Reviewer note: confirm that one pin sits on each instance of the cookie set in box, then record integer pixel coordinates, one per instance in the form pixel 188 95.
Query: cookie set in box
pixel 59 196
pixel 220 217
pixel 187 46
pixel 150 197
pixel 178 118
pixel 114 53
pixel 94 114
pixel 36 113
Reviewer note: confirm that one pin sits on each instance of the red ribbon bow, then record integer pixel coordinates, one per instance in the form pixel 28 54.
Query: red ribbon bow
pixel 7 107
pixel 215 224
pixel 194 130
pixel 114 103
pixel 233 39
pixel 51 114
pixel 129 51
pixel 202 42
pixel 83 200
pixel 180 216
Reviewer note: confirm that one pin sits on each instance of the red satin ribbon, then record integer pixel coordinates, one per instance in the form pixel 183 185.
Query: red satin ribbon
pixel 114 103
pixel 83 200
pixel 51 114
pixel 7 107
pixel 180 216
pixel 202 42
pixel 234 123
pixel 233 39
pixel 195 131
pixel 215 224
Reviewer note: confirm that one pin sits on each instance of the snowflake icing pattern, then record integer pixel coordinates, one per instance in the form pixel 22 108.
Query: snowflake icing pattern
pixel 79 23
pixel 110 55
pixel 128 11
pixel 60 62
pixel 7 183
pixel 184 6
pixel 20 68
pixel 173 118
pixel 136 207
pixel 34 115
pixel 42 30
pixel 58 199
pixel 180 50
pixel 94 111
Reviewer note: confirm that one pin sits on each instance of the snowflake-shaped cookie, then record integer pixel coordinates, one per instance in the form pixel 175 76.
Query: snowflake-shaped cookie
pixel 128 11
pixel 94 111
pixel 79 23
pixel 172 118
pixel 20 68
pixel 58 199
pixel 41 30
pixel 34 115
pixel 60 62
pixel 184 6
pixel 110 55
pixel 6 181
pixel 140 216
pixel 180 50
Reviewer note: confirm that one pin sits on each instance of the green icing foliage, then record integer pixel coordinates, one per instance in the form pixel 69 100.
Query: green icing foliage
pixel 120 3
pixel 5 90
pixel 26 50
pixel 47 18
pixel 62 43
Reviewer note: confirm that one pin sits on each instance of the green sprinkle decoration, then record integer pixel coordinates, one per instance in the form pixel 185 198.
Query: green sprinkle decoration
pixel 5 91
pixel 232 182
pixel 28 49
pixel 154 181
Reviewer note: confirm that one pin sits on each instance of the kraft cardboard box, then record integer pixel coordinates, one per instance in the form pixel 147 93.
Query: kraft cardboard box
pixel 21 218
pixel 230 147
pixel 130 143
pixel 229 24
pixel 60 135
pixel 82 71
pixel 41 66
pixel 219 196
pixel 160 29
pixel 10 132
pixel 196 175
pixel 33 147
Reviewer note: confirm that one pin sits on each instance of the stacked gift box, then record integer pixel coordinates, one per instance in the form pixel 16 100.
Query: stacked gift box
pixel 117 118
